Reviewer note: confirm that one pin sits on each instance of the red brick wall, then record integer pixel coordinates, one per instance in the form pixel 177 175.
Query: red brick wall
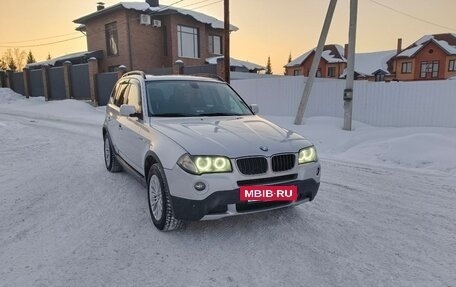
pixel 323 66
pixel 425 55
pixel 96 39
pixel 146 42
pixel 431 52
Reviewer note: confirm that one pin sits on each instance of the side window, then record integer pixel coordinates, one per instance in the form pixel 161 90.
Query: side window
pixel 120 96
pixel 134 97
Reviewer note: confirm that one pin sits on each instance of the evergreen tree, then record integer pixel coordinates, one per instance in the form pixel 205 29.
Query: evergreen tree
pixel 30 58
pixel 289 61
pixel 268 67
pixel 48 56
pixel 3 65
pixel 12 65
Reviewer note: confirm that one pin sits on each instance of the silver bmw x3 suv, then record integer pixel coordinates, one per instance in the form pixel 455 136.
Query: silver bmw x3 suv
pixel 202 152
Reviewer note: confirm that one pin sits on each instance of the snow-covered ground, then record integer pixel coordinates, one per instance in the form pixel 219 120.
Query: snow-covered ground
pixel 385 214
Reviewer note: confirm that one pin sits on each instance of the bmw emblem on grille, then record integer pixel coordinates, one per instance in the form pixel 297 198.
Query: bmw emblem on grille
pixel 264 148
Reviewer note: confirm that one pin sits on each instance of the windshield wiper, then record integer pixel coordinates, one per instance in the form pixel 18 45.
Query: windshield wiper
pixel 173 115
pixel 219 114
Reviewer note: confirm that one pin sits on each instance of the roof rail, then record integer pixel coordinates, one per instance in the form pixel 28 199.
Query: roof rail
pixel 207 75
pixel 140 73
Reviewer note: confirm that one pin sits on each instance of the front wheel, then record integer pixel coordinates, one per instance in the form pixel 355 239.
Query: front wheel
pixel 111 162
pixel 159 199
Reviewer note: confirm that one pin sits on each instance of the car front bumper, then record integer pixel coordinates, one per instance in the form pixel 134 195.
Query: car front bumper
pixel 226 203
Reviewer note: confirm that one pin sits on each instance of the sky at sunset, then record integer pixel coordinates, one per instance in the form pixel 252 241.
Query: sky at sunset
pixel 266 27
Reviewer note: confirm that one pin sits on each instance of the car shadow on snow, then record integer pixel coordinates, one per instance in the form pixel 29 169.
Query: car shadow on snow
pixel 274 219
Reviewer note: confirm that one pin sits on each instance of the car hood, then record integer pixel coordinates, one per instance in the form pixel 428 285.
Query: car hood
pixel 229 136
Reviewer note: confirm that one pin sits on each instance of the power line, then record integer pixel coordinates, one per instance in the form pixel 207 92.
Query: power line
pixel 411 16
pixel 37 39
pixel 196 3
pixel 208 4
pixel 44 44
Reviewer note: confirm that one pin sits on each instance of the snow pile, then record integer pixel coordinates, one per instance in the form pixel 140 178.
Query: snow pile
pixel 63 110
pixel 418 147
pixel 8 96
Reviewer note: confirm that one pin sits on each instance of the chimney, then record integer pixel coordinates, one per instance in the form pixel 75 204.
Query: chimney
pixel 399 45
pixel 153 3
pixel 100 6
pixel 346 50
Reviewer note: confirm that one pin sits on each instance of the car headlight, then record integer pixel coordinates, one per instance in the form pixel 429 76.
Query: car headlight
pixel 204 164
pixel 308 154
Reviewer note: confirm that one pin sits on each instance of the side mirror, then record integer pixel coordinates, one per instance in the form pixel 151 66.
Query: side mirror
pixel 255 109
pixel 127 110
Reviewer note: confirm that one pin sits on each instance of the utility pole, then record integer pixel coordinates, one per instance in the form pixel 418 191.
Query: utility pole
pixel 348 92
pixel 227 40
pixel 315 63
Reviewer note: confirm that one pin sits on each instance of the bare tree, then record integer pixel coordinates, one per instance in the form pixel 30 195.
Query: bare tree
pixel 14 59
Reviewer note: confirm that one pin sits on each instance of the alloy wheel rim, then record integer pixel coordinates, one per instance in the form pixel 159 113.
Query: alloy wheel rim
pixel 155 197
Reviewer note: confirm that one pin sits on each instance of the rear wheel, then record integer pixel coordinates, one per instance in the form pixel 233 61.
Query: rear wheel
pixel 159 199
pixel 111 162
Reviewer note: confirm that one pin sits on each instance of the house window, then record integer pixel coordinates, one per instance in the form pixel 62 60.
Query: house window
pixel 187 41
pixel 296 72
pixel 331 72
pixel 215 45
pixel 452 65
pixel 406 68
pixel 431 67
pixel 112 40
pixel 379 77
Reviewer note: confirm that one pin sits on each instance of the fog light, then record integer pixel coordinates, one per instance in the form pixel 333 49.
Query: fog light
pixel 200 186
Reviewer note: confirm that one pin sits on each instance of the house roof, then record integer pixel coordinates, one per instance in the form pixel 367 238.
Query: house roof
pixel 237 63
pixel 331 54
pixel 368 64
pixel 445 41
pixel 69 57
pixel 159 10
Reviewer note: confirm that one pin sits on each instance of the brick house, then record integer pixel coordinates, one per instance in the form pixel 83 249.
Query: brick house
pixel 146 35
pixel 332 63
pixel 433 57
pixel 368 66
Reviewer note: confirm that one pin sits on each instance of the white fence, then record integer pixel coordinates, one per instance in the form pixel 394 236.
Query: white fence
pixel 424 103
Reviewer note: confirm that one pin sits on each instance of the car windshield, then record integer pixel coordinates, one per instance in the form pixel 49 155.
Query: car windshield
pixel 181 98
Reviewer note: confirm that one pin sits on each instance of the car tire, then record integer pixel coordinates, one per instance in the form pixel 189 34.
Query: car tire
pixel 159 200
pixel 111 162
